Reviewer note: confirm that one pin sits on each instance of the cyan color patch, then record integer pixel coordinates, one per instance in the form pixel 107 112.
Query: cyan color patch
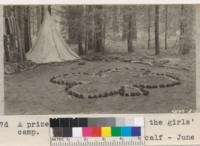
pixel 126 131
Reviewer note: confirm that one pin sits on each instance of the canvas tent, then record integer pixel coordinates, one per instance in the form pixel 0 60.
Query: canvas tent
pixel 50 46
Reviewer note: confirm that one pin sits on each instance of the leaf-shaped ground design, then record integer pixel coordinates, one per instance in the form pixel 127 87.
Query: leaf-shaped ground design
pixel 124 81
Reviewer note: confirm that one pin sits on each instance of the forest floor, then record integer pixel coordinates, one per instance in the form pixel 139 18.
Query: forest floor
pixel 31 92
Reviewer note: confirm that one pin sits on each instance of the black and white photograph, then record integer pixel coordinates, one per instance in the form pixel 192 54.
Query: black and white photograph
pixel 99 59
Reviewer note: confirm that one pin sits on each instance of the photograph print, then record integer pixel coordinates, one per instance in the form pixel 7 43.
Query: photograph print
pixel 106 59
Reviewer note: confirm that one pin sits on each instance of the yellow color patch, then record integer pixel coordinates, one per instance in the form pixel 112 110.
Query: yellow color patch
pixel 105 131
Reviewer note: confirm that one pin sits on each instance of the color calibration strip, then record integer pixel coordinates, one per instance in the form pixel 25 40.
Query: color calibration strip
pixel 96 127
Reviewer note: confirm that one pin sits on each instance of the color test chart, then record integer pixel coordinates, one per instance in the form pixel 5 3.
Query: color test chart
pixel 121 130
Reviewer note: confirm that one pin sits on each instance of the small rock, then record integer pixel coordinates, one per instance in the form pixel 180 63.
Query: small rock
pixel 81 63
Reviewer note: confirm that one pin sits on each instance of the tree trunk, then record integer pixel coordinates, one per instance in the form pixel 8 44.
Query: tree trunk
pixel 134 25
pixel 42 14
pixel 99 29
pixel 104 31
pixel 149 27
pixel 22 30
pixel 19 13
pixel 157 44
pixel 38 18
pixel 7 53
pixel 27 30
pixel 187 23
pixel 124 24
pixel 73 16
pixel 166 25
pixel 80 46
pixel 182 31
pixel 130 33
pixel 115 22
pixel 6 49
pixel 80 31
pixel 89 26
pixel 127 11
pixel 70 25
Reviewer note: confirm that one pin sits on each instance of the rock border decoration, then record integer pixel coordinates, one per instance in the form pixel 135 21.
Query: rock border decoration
pixel 141 89
pixel 15 68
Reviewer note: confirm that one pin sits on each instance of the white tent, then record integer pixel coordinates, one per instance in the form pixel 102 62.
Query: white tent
pixel 50 46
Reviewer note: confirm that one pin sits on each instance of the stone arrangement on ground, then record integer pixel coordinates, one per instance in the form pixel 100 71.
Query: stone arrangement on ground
pixel 135 82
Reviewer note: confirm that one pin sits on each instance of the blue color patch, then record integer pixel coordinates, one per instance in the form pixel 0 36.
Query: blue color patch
pixel 126 131
pixel 136 131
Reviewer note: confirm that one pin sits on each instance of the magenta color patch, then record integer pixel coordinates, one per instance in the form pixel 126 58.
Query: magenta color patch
pixel 87 132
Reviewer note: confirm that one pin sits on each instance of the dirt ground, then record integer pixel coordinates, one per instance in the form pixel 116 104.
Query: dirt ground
pixel 31 92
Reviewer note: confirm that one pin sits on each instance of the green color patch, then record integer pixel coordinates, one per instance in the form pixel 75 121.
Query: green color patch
pixel 116 131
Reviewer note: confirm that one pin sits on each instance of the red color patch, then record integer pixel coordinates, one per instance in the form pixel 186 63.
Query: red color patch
pixel 96 132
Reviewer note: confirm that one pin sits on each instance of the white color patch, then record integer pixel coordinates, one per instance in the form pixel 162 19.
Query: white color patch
pixel 129 121
pixel 139 121
pixel 77 132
